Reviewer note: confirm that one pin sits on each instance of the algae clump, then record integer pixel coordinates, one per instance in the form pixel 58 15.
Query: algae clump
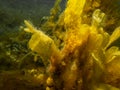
pixel 81 63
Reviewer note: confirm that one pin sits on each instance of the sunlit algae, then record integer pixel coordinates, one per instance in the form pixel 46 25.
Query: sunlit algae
pixel 81 62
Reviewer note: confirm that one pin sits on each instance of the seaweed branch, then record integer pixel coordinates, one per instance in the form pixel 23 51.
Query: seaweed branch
pixel 86 51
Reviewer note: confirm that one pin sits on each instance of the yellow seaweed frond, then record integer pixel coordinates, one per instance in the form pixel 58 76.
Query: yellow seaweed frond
pixel 41 43
pixel 115 35
pixel 73 13
pixel 30 28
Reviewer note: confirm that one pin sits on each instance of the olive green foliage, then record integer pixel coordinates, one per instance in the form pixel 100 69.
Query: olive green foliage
pixel 13 41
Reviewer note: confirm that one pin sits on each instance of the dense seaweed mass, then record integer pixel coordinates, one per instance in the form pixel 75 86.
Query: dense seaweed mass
pixel 74 47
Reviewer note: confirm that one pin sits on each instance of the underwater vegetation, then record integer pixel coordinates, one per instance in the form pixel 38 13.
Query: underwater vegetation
pixel 71 50
pixel 78 55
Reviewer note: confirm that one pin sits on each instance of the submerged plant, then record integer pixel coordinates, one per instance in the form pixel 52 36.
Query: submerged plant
pixel 81 63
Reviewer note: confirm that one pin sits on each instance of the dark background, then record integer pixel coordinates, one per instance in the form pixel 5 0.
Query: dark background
pixel 14 12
